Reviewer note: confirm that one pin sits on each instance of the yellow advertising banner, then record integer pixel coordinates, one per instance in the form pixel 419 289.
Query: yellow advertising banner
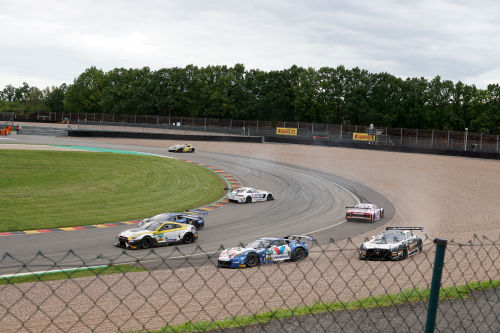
pixel 363 137
pixel 286 131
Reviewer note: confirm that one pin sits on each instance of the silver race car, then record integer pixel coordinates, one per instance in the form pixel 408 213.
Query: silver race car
pixel 395 243
pixel 156 233
pixel 248 194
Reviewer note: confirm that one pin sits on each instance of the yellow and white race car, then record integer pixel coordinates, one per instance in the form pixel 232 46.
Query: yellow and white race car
pixel 156 233
pixel 184 148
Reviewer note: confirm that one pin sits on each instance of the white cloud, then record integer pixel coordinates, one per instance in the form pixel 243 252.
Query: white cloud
pixel 54 41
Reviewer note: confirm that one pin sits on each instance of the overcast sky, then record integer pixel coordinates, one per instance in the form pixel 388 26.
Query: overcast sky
pixel 51 42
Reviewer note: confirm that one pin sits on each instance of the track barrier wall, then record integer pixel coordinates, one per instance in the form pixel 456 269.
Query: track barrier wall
pixel 180 289
pixel 139 135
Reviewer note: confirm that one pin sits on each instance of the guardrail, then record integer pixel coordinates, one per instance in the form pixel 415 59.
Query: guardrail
pixel 181 289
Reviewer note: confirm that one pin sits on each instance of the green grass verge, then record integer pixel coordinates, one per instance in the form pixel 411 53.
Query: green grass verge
pixel 407 296
pixel 51 189
pixel 72 274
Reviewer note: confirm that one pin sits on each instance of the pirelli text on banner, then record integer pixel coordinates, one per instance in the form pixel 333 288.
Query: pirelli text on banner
pixel 363 137
pixel 286 131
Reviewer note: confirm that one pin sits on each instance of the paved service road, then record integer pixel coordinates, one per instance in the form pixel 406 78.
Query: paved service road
pixel 306 202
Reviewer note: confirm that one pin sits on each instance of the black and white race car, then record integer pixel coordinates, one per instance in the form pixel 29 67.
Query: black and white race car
pixel 248 194
pixel 395 243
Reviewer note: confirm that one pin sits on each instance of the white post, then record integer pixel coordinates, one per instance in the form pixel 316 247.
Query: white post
pixel 401 138
pixel 448 144
pixel 312 129
pixel 466 134
pixel 497 143
pixel 340 137
pixel 416 138
pixel 432 138
pixel 481 142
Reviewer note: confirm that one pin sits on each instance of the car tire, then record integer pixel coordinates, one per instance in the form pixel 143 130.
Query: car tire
pixel 298 254
pixel 252 259
pixel 373 218
pixel 248 199
pixel 269 197
pixel 382 214
pixel 146 243
pixel 188 238
pixel 192 150
pixel 419 246
pixel 405 253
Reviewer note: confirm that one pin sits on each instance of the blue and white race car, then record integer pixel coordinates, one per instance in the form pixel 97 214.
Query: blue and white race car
pixel 265 251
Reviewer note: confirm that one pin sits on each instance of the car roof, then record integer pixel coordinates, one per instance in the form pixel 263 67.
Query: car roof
pixel 270 238
pixel 363 204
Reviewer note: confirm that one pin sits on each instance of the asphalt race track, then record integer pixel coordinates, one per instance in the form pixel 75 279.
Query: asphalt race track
pixel 307 202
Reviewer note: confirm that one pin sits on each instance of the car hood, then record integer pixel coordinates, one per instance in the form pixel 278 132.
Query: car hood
pixel 134 232
pixel 233 252
pixel 372 245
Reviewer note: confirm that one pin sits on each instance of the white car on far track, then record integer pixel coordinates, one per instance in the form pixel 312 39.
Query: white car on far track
pixel 364 212
pixel 248 194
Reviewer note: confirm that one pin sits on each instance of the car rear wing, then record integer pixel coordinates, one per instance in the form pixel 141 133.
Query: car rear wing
pixel 405 228
pixel 196 212
pixel 299 237
pixel 349 207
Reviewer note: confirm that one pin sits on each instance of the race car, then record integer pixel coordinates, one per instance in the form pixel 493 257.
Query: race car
pixel 248 194
pixel 194 217
pixel 365 212
pixel 395 243
pixel 265 251
pixel 156 233
pixel 184 148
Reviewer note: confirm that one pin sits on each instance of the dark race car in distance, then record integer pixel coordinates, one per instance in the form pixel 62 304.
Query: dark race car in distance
pixel 194 217
pixel 395 243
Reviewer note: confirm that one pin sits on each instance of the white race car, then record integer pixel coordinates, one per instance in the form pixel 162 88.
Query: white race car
pixel 248 194
pixel 157 233
pixel 365 212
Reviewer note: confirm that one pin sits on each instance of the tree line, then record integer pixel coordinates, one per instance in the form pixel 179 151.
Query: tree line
pixel 325 95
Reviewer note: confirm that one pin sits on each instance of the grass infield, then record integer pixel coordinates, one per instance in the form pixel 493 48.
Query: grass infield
pixel 52 189
pixel 72 274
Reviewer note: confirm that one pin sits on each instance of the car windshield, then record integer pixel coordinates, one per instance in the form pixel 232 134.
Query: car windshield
pixel 259 244
pixel 152 226
pixel 389 238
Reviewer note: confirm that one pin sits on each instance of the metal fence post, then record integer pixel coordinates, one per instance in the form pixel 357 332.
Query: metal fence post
pixel 401 137
pixel 497 143
pixel 340 137
pixel 436 284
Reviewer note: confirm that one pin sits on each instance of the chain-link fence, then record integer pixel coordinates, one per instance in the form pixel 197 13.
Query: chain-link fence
pixel 180 288
pixel 393 137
